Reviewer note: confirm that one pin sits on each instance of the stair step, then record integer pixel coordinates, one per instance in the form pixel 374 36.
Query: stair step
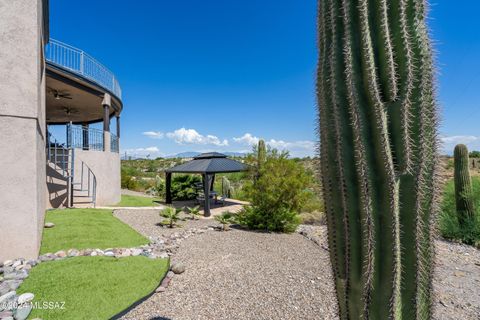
pixel 82 202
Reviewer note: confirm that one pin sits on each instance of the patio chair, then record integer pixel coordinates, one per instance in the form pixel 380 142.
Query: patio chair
pixel 200 193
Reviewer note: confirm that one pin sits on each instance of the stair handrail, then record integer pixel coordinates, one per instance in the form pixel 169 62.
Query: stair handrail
pixel 91 179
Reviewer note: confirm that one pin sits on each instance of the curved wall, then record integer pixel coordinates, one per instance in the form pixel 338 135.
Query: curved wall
pixel 106 167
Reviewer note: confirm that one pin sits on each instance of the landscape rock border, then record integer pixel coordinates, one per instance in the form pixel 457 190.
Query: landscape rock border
pixel 14 272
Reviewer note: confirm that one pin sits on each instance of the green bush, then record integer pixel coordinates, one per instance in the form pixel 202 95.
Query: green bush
pixel 474 154
pixel 448 220
pixel 277 194
pixel 128 182
pixel 158 188
pixel 183 187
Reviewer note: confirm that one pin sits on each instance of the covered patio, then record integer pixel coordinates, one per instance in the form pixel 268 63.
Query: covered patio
pixel 207 165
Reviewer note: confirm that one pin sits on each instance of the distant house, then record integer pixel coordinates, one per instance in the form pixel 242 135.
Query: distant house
pixel 45 83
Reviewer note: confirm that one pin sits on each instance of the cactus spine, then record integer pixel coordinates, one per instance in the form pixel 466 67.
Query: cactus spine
pixel 463 185
pixel 378 132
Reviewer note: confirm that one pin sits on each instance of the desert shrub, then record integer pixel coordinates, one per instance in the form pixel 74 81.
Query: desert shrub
pixel 474 154
pixel 449 225
pixel 183 187
pixel 158 188
pixel 277 194
pixel 128 182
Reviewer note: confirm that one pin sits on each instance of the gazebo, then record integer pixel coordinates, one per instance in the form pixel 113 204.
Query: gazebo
pixel 206 164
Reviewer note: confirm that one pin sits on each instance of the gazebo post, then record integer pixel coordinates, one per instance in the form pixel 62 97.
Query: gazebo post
pixel 206 188
pixel 168 187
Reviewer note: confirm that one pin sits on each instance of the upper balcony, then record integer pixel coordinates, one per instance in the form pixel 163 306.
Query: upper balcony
pixel 81 63
pixel 77 85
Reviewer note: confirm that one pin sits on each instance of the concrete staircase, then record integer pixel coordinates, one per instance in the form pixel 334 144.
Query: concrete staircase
pixel 70 183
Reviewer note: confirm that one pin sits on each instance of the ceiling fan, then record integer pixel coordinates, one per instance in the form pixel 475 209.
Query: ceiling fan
pixel 69 110
pixel 60 94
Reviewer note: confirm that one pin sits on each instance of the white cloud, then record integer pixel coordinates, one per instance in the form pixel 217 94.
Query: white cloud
pixel 143 152
pixel 302 145
pixel 449 142
pixel 247 139
pixel 191 136
pixel 153 134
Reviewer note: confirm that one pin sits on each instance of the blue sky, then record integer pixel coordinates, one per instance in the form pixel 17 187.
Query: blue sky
pixel 219 74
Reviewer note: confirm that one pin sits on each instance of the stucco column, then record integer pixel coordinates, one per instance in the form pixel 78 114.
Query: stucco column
pixel 106 103
pixel 22 128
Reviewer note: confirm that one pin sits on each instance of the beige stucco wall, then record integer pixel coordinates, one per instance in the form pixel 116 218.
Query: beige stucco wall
pixel 106 167
pixel 22 128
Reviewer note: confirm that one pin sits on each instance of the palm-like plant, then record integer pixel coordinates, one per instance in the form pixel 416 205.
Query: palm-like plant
pixel 194 212
pixel 171 216
pixel 225 219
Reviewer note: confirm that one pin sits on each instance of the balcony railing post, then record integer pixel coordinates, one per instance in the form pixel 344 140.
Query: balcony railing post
pixel 69 135
pixel 81 62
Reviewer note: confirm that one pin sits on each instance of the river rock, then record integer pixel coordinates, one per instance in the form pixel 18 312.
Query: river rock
pixel 7 263
pixel 136 252
pixel 73 253
pixel 178 267
pixel 61 254
pixel 26 297
pixel 49 225
pixel 6 297
pixel 22 312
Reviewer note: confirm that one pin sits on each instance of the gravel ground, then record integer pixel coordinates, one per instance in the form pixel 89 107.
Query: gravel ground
pixel 240 275
pixel 145 222
pixel 457 282
pixel 248 275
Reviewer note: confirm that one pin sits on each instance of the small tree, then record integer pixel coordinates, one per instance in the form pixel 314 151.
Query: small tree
pixel 277 195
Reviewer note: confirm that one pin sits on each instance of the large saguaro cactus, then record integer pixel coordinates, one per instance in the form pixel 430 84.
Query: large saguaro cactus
pixel 378 132
pixel 463 185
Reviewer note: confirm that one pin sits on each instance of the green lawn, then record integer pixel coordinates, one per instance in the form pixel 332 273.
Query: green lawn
pixel 136 201
pixel 91 287
pixel 87 228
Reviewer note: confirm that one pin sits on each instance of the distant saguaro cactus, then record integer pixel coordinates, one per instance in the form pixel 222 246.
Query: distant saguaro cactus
pixel 463 185
pixel 378 132
pixel 226 188
pixel 261 153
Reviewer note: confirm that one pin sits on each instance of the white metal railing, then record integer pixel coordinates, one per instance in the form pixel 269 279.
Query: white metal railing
pixel 81 63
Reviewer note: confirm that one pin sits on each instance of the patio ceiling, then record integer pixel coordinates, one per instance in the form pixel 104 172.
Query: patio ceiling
pixel 73 99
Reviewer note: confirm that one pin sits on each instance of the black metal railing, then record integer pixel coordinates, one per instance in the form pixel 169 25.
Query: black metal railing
pixel 114 145
pixel 84 138
pixel 60 155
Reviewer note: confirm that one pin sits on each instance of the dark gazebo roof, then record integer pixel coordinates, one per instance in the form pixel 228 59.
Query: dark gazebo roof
pixel 210 162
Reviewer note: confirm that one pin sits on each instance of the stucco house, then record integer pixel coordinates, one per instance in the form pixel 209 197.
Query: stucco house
pixel 46 84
